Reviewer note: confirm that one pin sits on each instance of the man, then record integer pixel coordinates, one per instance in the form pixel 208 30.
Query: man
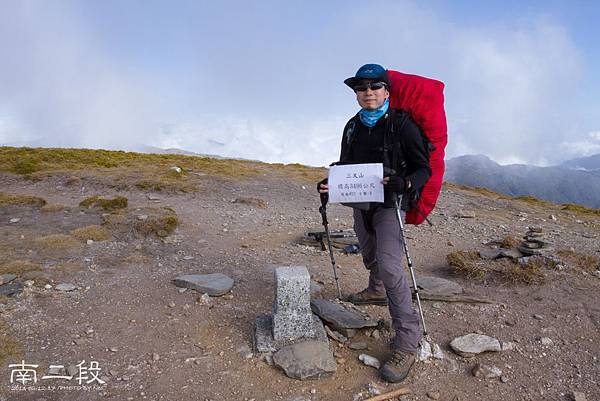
pixel 378 134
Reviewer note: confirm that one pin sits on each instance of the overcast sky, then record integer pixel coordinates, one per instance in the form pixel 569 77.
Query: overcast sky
pixel 263 79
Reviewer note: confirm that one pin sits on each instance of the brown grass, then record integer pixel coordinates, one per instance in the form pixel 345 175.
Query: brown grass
pixel 529 274
pixel 12 199
pixel 467 263
pixel 56 242
pixel 9 347
pixel 120 202
pixel 19 267
pixel 579 260
pixel 509 242
pixel 93 232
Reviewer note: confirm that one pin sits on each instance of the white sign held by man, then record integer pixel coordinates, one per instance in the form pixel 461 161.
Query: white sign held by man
pixel 349 183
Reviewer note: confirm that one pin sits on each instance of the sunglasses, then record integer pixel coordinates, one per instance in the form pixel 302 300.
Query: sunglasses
pixel 371 85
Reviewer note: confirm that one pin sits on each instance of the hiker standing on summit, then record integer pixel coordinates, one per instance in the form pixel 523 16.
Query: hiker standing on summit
pixel 380 134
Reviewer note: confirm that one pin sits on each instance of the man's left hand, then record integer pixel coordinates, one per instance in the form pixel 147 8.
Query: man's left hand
pixel 395 184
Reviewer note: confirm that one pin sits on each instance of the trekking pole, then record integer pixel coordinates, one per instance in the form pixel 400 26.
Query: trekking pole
pixel 323 211
pixel 409 260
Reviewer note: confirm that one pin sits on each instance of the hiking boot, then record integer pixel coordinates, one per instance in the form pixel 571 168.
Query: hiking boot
pixel 398 366
pixel 366 297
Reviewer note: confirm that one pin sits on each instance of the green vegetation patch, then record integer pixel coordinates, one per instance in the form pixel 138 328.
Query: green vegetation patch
pixel 12 199
pixel 162 223
pixel 120 202
pixel 580 209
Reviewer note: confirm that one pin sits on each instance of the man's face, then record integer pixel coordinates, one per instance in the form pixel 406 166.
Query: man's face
pixel 368 97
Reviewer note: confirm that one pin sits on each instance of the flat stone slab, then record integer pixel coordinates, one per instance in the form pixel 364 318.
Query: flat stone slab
pixel 472 344
pixel 439 286
pixel 511 253
pixel 263 334
pixel 66 287
pixel 306 360
pixel 6 278
pixel 11 289
pixel 213 284
pixel 490 254
pixel 341 315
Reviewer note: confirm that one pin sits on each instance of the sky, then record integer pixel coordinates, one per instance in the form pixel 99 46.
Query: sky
pixel 263 80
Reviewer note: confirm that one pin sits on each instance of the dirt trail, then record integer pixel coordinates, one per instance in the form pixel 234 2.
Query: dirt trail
pixel 153 342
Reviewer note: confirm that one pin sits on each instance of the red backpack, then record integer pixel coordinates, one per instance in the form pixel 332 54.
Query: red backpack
pixel 423 99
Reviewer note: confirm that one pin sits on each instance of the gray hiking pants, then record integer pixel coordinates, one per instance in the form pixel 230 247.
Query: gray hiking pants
pixel 382 254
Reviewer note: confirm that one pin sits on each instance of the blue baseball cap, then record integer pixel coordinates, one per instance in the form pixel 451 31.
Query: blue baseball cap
pixel 373 72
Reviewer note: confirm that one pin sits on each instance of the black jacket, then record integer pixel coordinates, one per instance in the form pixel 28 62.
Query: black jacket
pixel 395 141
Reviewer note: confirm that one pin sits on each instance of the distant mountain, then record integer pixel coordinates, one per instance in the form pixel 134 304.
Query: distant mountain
pixel 558 184
pixel 590 163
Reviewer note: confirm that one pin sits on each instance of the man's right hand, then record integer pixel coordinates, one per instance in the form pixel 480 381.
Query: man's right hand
pixel 322 186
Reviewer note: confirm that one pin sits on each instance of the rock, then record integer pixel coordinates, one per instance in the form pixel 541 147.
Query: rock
pixel 578 396
pixel 65 287
pixel 504 379
pixel 6 278
pixel 438 286
pixel 357 345
pixel 213 284
pixel 490 254
pixel 472 344
pixel 434 395
pixel 142 217
pixel 510 253
pixel 176 169
pixel 89 241
pixel 72 370
pixel 369 361
pixel 292 316
pixel 553 217
pixel 341 315
pixel 436 351
pixel 15 220
pixel 306 360
pixel 485 371
pixel 546 341
pixel 153 198
pixel 203 299
pixel 465 215
pixel 424 350
pixel 335 335
pixel 538 317
pixel 315 288
pixel 155 357
pixel 507 345
pixel 375 334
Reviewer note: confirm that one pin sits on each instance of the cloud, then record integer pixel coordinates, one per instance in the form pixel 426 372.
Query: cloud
pixel 586 146
pixel 256 82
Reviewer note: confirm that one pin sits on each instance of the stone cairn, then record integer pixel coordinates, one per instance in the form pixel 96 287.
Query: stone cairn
pixel 534 243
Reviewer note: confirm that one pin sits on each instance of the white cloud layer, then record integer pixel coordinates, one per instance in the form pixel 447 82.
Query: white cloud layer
pixel 269 88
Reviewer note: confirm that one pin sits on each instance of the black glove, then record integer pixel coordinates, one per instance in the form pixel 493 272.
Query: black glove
pixel 324 196
pixel 323 181
pixel 396 184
